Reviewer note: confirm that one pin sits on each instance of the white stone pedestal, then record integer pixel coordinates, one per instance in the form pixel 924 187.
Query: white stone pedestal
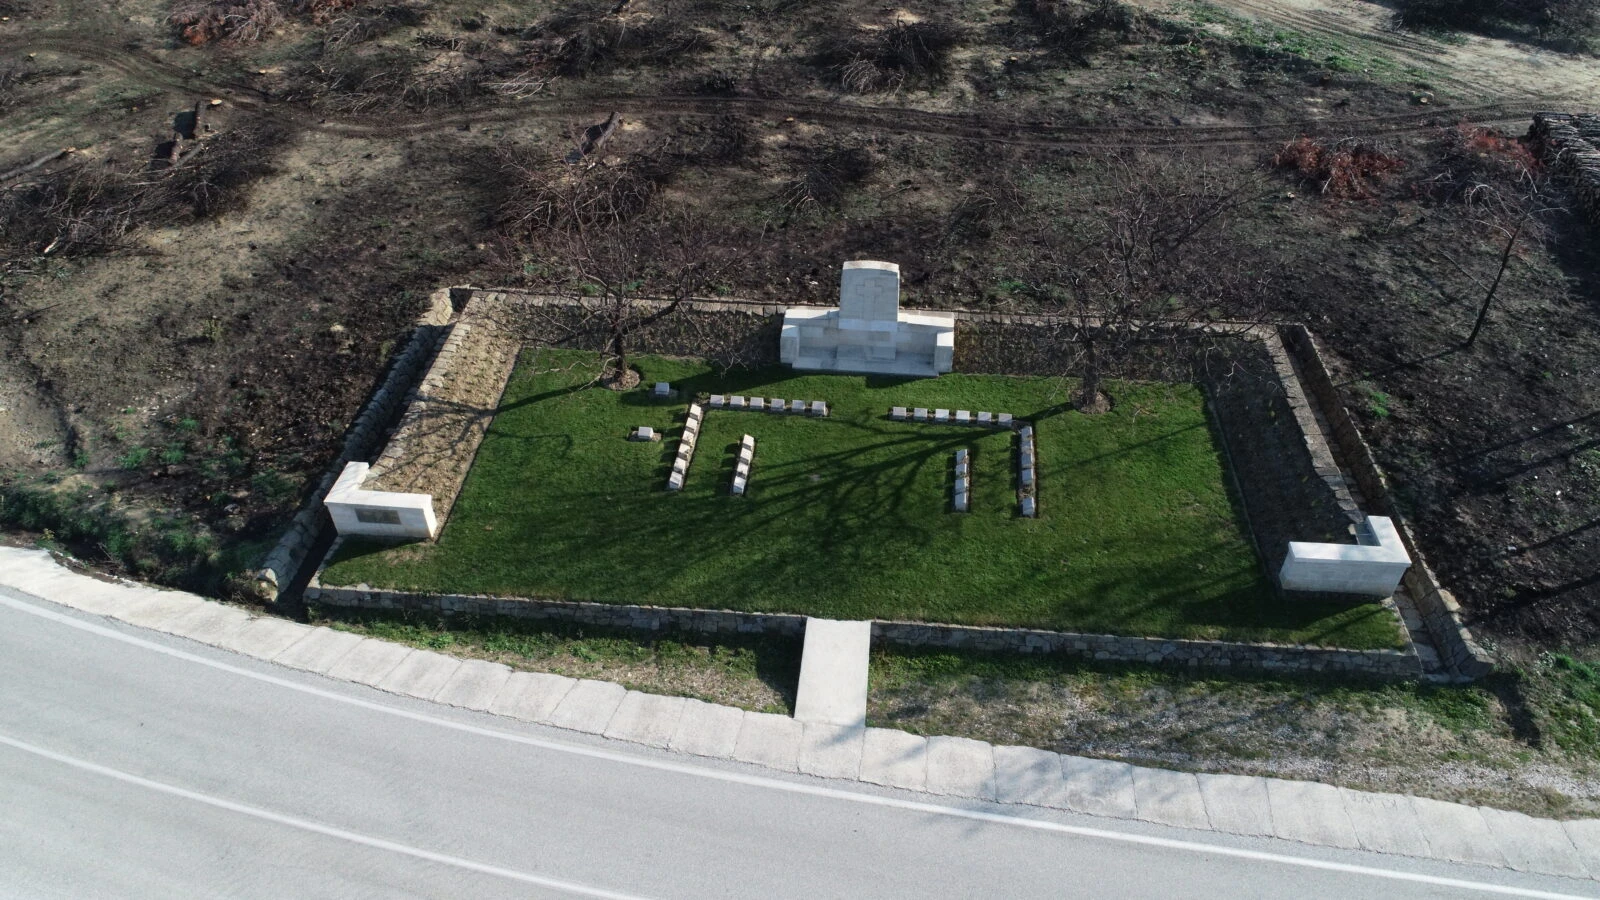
pixel 867 332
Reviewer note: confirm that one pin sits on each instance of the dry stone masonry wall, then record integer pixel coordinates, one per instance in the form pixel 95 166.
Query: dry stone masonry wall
pixel 305 529
pixel 1301 468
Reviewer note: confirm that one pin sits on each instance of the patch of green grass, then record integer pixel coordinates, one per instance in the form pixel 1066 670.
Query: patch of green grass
pixel 754 672
pixel 848 517
pixel 1565 693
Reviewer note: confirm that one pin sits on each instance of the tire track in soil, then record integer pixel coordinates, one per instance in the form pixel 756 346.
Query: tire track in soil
pixel 145 69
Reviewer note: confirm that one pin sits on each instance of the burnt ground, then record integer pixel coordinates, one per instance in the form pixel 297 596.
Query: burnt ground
pixel 185 344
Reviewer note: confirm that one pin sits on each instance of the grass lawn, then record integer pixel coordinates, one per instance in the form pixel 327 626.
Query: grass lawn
pixel 848 517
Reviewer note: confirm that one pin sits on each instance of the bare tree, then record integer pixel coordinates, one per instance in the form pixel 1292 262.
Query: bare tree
pixel 1154 264
pixel 633 275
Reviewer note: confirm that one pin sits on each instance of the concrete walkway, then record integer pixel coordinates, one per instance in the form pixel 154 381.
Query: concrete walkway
pixel 1307 812
pixel 833 673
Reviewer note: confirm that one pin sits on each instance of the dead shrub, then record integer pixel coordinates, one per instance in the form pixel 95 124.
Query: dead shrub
pixel 390 79
pixel 85 209
pixel 542 194
pixel 905 53
pixel 578 47
pixel 826 178
pixel 1077 29
pixel 1343 170
pixel 350 29
pixel 229 21
pixel 324 11
pixel 1474 165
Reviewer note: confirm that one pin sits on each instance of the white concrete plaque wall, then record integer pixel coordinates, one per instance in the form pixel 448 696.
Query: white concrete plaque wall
pixel 1374 566
pixel 382 514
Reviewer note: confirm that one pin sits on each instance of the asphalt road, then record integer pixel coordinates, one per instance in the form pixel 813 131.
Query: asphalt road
pixel 137 765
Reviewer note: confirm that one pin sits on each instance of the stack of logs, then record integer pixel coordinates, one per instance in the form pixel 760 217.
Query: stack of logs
pixel 186 135
pixel 1571 146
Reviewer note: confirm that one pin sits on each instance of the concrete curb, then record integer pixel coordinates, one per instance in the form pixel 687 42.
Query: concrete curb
pixel 1306 812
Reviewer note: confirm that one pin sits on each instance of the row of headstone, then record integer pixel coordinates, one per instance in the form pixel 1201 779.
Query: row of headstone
pixel 1027 476
pixel 764 404
pixel 741 469
pixel 945 417
pixel 961 499
pixel 691 434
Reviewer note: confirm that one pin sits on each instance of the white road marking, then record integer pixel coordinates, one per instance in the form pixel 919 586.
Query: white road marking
pixel 791 787
pixel 256 812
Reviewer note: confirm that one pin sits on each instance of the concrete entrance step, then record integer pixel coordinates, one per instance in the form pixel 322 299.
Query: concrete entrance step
pixel 833 673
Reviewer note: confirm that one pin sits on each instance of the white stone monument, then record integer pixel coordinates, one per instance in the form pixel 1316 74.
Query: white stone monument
pixel 867 332
pixel 379 514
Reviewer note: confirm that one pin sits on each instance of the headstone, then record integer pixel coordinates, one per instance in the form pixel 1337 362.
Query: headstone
pixel 663 390
pixel 985 419
pixel 898 413
pixel 941 415
pixel 736 402
pixel 758 403
pixel 675 483
pixel 775 405
pixel 748 441
pixel 961 456
pixel 1028 507
pixel 1027 432
pixel 738 484
pixel 696 411
pixel 960 501
pixel 1027 477
pixel 963 417
pixel 797 406
pixel 920 414
pixel 1004 420
pixel 818 408
pixel 961 470
pixel 1027 457
pixel 717 400
pixel 643 433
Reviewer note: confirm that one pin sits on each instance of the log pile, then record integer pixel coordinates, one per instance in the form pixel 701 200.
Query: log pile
pixel 1570 145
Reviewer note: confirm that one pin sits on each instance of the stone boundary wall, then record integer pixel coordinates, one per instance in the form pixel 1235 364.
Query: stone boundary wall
pixel 1571 146
pixel 1459 652
pixel 449 412
pixel 286 558
pixel 1297 488
pixel 1384 664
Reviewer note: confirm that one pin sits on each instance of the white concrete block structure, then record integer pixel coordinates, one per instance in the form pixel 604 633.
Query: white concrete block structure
pixel 867 332
pixel 380 514
pixel 1373 565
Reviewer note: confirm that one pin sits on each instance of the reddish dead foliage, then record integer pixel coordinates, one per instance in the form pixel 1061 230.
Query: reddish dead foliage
pixel 239 21
pixel 1344 170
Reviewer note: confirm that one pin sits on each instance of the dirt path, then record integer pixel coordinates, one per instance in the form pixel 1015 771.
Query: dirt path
pixel 1473 69
pixel 148 70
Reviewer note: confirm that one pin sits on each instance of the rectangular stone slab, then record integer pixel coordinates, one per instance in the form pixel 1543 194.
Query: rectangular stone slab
pixel 833 673
pixel 648 719
pixel 421 674
pixel 531 696
pixel 1237 804
pixel 208 623
pixel 960 767
pixel 769 740
pixel 266 637
pixel 831 751
pixel 1029 775
pixel 1385 823
pixel 319 651
pixel 1534 845
pixel 1169 798
pixel 1099 787
pixel 588 707
pixel 894 758
pixel 706 729
pixel 369 661
pixel 1310 812
pixel 475 685
pixel 1457 833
